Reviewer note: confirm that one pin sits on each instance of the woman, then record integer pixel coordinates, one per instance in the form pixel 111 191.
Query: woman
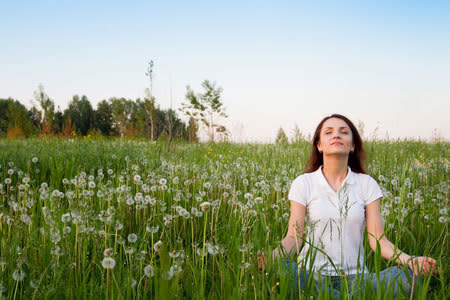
pixel 339 199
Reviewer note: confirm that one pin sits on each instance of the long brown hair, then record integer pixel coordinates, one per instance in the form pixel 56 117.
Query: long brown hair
pixel 356 158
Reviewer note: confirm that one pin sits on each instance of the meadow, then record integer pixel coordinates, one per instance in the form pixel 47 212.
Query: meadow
pixel 112 219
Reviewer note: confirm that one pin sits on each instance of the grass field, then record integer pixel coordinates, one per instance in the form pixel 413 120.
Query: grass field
pixel 109 219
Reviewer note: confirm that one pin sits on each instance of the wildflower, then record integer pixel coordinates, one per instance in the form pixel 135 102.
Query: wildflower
pixel 108 263
pixel 34 284
pixel 67 230
pixel 91 184
pixel 248 196
pixel 10 172
pixel 162 181
pixel 442 219
pixel 108 252
pixel 18 275
pixel 213 249
pixel 152 229
pixel 130 201
pixel 174 254
pixel 149 271
pixel 129 250
pixel 207 185
pixel 205 206
pixel 196 212
pixel 157 246
pixel 25 218
pixel 137 179
pixel 132 238
pixel 56 251
pixel 243 248
pixel 258 200
pixel 34 160
pixel 65 218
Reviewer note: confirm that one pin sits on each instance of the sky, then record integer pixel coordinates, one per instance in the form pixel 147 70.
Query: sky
pixel 385 64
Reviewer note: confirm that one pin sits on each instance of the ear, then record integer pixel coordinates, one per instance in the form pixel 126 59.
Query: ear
pixel 353 148
pixel 319 147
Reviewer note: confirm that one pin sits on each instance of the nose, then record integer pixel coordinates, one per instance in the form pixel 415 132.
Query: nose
pixel 336 135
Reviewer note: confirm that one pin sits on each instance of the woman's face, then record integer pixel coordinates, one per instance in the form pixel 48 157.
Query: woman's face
pixel 335 138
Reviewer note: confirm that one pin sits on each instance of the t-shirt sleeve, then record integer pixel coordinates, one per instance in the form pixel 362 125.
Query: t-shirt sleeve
pixel 299 191
pixel 373 191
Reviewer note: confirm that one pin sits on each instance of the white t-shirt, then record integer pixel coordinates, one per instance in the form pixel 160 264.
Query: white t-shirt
pixel 335 220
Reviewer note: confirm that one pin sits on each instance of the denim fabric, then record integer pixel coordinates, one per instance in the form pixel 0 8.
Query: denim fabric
pixel 391 278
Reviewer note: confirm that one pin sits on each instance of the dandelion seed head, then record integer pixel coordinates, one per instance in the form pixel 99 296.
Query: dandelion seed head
pixel 205 206
pixel 18 275
pixel 108 263
pixel 157 246
pixel 149 271
pixel 108 252
pixel 132 238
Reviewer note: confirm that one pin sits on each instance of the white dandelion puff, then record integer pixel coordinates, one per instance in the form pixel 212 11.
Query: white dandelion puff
pixel 108 263
pixel 149 271
pixel 132 238
pixel 18 275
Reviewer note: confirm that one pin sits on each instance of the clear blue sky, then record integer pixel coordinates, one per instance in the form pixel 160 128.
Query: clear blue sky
pixel 280 62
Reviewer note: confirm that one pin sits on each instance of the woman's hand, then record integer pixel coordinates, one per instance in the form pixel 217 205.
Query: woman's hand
pixel 422 265
pixel 262 260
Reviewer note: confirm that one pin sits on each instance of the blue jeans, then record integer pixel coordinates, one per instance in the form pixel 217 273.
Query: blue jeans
pixel 390 279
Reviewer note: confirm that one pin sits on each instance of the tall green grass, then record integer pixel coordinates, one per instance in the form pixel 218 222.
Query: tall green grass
pixel 200 213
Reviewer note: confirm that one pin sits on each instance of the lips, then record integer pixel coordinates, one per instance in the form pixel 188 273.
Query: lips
pixel 336 143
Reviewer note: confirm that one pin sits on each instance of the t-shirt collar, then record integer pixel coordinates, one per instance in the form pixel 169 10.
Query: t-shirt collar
pixel 348 179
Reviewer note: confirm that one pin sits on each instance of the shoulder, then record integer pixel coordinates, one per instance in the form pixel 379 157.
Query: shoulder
pixel 364 179
pixel 304 178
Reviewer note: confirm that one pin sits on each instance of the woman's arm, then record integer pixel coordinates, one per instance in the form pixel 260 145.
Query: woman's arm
pixel 293 240
pixel 375 230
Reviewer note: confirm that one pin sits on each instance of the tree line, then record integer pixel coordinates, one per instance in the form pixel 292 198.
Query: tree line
pixel 117 117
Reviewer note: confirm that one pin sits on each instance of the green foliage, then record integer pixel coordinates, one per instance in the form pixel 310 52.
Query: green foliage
pixel 14 115
pixel 206 107
pixel 81 113
pixel 281 137
pixel 103 117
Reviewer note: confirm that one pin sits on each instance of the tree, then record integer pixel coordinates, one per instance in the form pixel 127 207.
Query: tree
pixel 14 119
pixel 173 126
pixel 48 110
pixel 149 100
pixel 81 113
pixel 123 113
pixel 297 135
pixel 58 120
pixel 191 131
pixel 281 137
pixel 206 107
pixel 68 128
pixel 103 117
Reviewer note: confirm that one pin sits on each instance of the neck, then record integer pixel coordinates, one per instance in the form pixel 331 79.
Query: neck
pixel 335 167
